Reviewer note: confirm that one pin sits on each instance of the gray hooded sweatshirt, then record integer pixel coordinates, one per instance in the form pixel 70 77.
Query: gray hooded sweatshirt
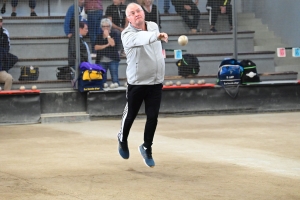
pixel 145 61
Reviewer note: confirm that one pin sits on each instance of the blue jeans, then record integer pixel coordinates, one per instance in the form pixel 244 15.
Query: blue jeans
pixel 32 3
pixel 166 5
pixel 113 68
pixel 94 19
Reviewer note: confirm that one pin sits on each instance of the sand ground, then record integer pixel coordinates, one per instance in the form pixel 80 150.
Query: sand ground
pixel 254 156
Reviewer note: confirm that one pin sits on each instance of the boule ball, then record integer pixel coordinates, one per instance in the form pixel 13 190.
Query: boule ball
pixel 183 40
pixel 116 85
pixel 171 82
pixel 167 83
pixel 192 82
pixel 34 87
pixel 125 84
pixel 178 83
pixel 22 87
pixel 112 85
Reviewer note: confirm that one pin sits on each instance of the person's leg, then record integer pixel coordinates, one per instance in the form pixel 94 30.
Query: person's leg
pixel 14 4
pixel 105 65
pixel 94 18
pixel 229 13
pixel 135 96
pixel 114 71
pixel 214 16
pixel 196 16
pixel 32 4
pixel 152 106
pixel 166 6
pixel 7 79
pixel 185 16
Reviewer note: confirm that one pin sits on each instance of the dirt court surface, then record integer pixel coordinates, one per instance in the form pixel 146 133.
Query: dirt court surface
pixel 254 156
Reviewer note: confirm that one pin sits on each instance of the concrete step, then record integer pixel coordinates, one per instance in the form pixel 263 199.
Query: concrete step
pixel 65 117
pixel 244 16
pixel 212 42
pixel 283 68
pixel 268 47
pixel 39 47
pixel 249 22
pixel 259 27
pixel 35 26
pixel 265 42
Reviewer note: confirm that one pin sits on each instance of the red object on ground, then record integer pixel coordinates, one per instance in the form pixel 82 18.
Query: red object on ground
pixel 8 92
pixel 188 86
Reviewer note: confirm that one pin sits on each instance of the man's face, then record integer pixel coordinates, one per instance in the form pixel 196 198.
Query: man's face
pixel 135 15
pixel 80 2
pixel 83 31
pixel 117 2
pixel 148 2
pixel 1 23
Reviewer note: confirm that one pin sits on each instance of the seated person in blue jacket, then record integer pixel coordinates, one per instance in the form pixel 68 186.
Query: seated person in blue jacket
pixel 106 47
pixel 70 20
pixel 85 55
pixel 219 6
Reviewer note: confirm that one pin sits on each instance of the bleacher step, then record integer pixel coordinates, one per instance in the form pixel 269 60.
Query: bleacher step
pixel 65 117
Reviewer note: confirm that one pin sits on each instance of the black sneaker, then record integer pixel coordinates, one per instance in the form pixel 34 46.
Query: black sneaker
pixel 33 14
pixel 123 149
pixel 147 155
pixel 13 14
pixel 213 30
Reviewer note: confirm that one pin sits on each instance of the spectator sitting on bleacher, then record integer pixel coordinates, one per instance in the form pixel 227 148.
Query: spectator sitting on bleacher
pixel 186 8
pixel 107 50
pixel 219 6
pixel 7 60
pixel 151 12
pixel 69 24
pixel 85 55
pixel 14 3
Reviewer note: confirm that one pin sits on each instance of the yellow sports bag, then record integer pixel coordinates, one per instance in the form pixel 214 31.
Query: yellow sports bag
pixel 91 75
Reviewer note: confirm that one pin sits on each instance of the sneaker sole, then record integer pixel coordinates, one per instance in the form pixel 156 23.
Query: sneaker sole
pixel 144 159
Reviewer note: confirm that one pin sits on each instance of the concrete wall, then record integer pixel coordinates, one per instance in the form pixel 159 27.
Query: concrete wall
pixel 281 16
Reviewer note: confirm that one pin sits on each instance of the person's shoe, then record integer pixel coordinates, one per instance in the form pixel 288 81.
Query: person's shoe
pixel 33 14
pixel 123 149
pixel 213 30
pixel 13 14
pixel 147 156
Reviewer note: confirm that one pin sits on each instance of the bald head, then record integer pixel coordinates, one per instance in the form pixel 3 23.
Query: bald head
pixel 132 7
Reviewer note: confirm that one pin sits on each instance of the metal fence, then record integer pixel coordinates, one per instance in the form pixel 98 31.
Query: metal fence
pixel 243 29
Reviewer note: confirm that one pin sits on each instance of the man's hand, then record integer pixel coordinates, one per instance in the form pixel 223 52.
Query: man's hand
pixel 69 35
pixel 163 37
pixel 105 33
pixel 187 7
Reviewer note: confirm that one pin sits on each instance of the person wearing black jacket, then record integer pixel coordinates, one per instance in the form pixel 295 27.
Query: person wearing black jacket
pixel 186 8
pixel 219 6
pixel 151 12
pixel 85 55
